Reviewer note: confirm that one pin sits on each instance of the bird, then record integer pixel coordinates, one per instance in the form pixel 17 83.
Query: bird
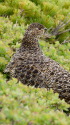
pixel 30 66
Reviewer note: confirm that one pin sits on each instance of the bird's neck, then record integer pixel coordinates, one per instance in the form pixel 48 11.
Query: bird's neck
pixel 30 43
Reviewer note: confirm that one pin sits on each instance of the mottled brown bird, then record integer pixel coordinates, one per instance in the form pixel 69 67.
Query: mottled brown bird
pixel 30 66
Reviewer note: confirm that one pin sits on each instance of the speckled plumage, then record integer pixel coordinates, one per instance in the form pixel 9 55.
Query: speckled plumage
pixel 32 67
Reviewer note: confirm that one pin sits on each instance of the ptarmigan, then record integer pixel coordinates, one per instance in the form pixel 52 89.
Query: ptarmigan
pixel 30 66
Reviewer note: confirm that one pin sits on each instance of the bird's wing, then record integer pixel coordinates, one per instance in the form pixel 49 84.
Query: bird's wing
pixel 30 74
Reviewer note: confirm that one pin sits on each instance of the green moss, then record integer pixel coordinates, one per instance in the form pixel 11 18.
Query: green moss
pixel 5 10
pixel 3 63
pixel 21 104
pixel 10 33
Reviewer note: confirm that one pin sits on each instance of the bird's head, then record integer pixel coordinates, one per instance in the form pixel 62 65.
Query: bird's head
pixel 38 31
pixel 34 32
